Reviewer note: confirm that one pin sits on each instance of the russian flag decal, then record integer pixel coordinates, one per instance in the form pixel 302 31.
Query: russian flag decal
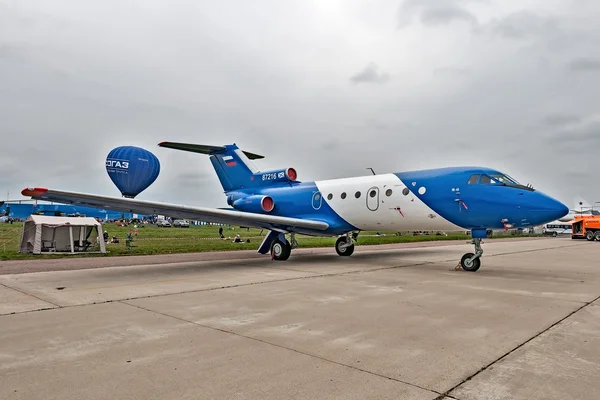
pixel 229 161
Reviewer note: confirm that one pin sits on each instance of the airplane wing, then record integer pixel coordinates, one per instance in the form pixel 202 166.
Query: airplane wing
pixel 216 215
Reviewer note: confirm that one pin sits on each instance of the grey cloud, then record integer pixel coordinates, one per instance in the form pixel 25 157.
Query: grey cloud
pixel 573 146
pixel 561 119
pixel 390 125
pixel 330 145
pixel 370 74
pixel 443 16
pixel 585 64
pixel 73 83
pixel 587 138
pixel 523 25
pixel 9 51
pixel 378 125
pixel 576 175
pixel 452 71
pixel 585 134
pixel 435 12
pixel 191 177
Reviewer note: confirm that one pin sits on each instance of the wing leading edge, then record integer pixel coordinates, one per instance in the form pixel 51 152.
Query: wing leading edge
pixel 224 216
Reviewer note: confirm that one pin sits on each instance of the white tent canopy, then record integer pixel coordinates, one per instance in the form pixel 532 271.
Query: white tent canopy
pixel 42 233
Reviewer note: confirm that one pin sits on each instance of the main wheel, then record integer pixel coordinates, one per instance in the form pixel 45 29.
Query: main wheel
pixel 589 235
pixel 597 236
pixel 341 250
pixel 468 265
pixel 281 251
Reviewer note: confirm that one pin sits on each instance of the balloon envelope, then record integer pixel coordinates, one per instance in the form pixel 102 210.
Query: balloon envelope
pixel 132 169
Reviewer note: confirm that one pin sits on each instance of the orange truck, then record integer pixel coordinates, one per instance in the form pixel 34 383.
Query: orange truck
pixel 586 226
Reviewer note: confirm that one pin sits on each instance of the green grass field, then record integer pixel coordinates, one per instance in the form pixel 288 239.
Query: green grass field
pixel 154 240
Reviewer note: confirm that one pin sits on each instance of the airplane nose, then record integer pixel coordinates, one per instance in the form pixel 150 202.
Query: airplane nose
pixel 559 210
pixel 548 209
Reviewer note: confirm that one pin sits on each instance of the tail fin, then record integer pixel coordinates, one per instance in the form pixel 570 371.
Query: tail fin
pixel 234 166
pixel 582 206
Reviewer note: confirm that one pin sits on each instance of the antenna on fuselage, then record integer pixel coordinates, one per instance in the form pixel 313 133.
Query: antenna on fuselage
pixel 372 171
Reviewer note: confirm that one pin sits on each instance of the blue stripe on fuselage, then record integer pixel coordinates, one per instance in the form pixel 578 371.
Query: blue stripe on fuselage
pixel 296 201
pixel 473 206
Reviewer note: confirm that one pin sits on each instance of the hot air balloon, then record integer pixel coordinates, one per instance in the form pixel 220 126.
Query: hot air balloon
pixel 132 169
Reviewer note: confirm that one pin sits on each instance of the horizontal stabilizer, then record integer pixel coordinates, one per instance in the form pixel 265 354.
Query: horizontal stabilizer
pixel 204 149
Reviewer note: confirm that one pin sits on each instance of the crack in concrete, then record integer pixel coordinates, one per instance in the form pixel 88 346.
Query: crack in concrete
pixel 343 273
pixel 217 288
pixel 280 346
pixel 28 294
pixel 447 393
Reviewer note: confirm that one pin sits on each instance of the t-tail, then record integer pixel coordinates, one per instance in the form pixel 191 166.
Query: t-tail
pixel 580 207
pixel 234 166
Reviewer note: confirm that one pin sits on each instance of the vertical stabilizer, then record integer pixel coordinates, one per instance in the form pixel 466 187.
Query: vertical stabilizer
pixel 234 167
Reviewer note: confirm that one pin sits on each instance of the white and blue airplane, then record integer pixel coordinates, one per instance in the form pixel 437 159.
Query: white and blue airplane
pixel 454 198
pixel 581 207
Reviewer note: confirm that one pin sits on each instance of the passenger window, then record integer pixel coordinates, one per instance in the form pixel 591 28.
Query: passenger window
pixel 485 179
pixel 329 196
pixel 388 192
pixel 473 179
pixel 405 191
pixel 372 193
pixel 357 195
pixel 343 195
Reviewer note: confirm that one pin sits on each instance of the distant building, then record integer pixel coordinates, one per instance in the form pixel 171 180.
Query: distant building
pixel 23 209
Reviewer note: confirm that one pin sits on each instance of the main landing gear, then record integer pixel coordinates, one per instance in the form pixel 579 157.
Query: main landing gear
pixel 471 262
pixel 281 250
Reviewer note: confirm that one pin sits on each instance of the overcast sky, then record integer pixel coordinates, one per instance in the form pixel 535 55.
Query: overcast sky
pixel 328 87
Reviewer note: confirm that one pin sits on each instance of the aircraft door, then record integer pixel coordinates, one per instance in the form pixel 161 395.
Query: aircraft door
pixel 373 198
pixel 317 200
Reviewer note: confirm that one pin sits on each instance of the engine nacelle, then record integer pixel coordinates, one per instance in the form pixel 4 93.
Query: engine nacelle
pixel 280 175
pixel 255 203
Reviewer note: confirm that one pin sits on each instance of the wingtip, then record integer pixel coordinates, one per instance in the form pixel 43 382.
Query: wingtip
pixel 33 192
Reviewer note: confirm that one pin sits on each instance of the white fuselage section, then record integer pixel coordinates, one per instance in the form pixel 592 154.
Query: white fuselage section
pixel 381 202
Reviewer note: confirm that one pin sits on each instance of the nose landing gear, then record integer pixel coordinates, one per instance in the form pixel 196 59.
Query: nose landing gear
pixel 472 261
pixel 344 246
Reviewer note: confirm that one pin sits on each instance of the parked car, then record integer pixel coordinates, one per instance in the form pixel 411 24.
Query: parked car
pixel 163 223
pixel 181 223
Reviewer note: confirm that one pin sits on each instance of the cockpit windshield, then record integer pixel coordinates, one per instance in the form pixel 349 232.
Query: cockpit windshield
pixel 496 179
pixel 502 178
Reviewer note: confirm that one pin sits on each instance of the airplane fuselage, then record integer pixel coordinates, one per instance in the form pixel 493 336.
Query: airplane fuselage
pixel 444 199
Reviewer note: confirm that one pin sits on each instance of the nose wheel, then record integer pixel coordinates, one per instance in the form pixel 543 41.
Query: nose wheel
pixel 472 261
pixel 344 246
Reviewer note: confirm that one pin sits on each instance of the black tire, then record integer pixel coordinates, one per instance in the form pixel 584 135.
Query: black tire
pixel 280 251
pixel 470 266
pixel 597 236
pixel 343 251
pixel 589 235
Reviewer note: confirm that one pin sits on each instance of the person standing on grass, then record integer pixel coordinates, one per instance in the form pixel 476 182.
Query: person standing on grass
pixel 221 232
pixel 135 230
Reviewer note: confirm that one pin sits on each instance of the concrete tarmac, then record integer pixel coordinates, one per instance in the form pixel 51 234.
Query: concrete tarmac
pixel 389 322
